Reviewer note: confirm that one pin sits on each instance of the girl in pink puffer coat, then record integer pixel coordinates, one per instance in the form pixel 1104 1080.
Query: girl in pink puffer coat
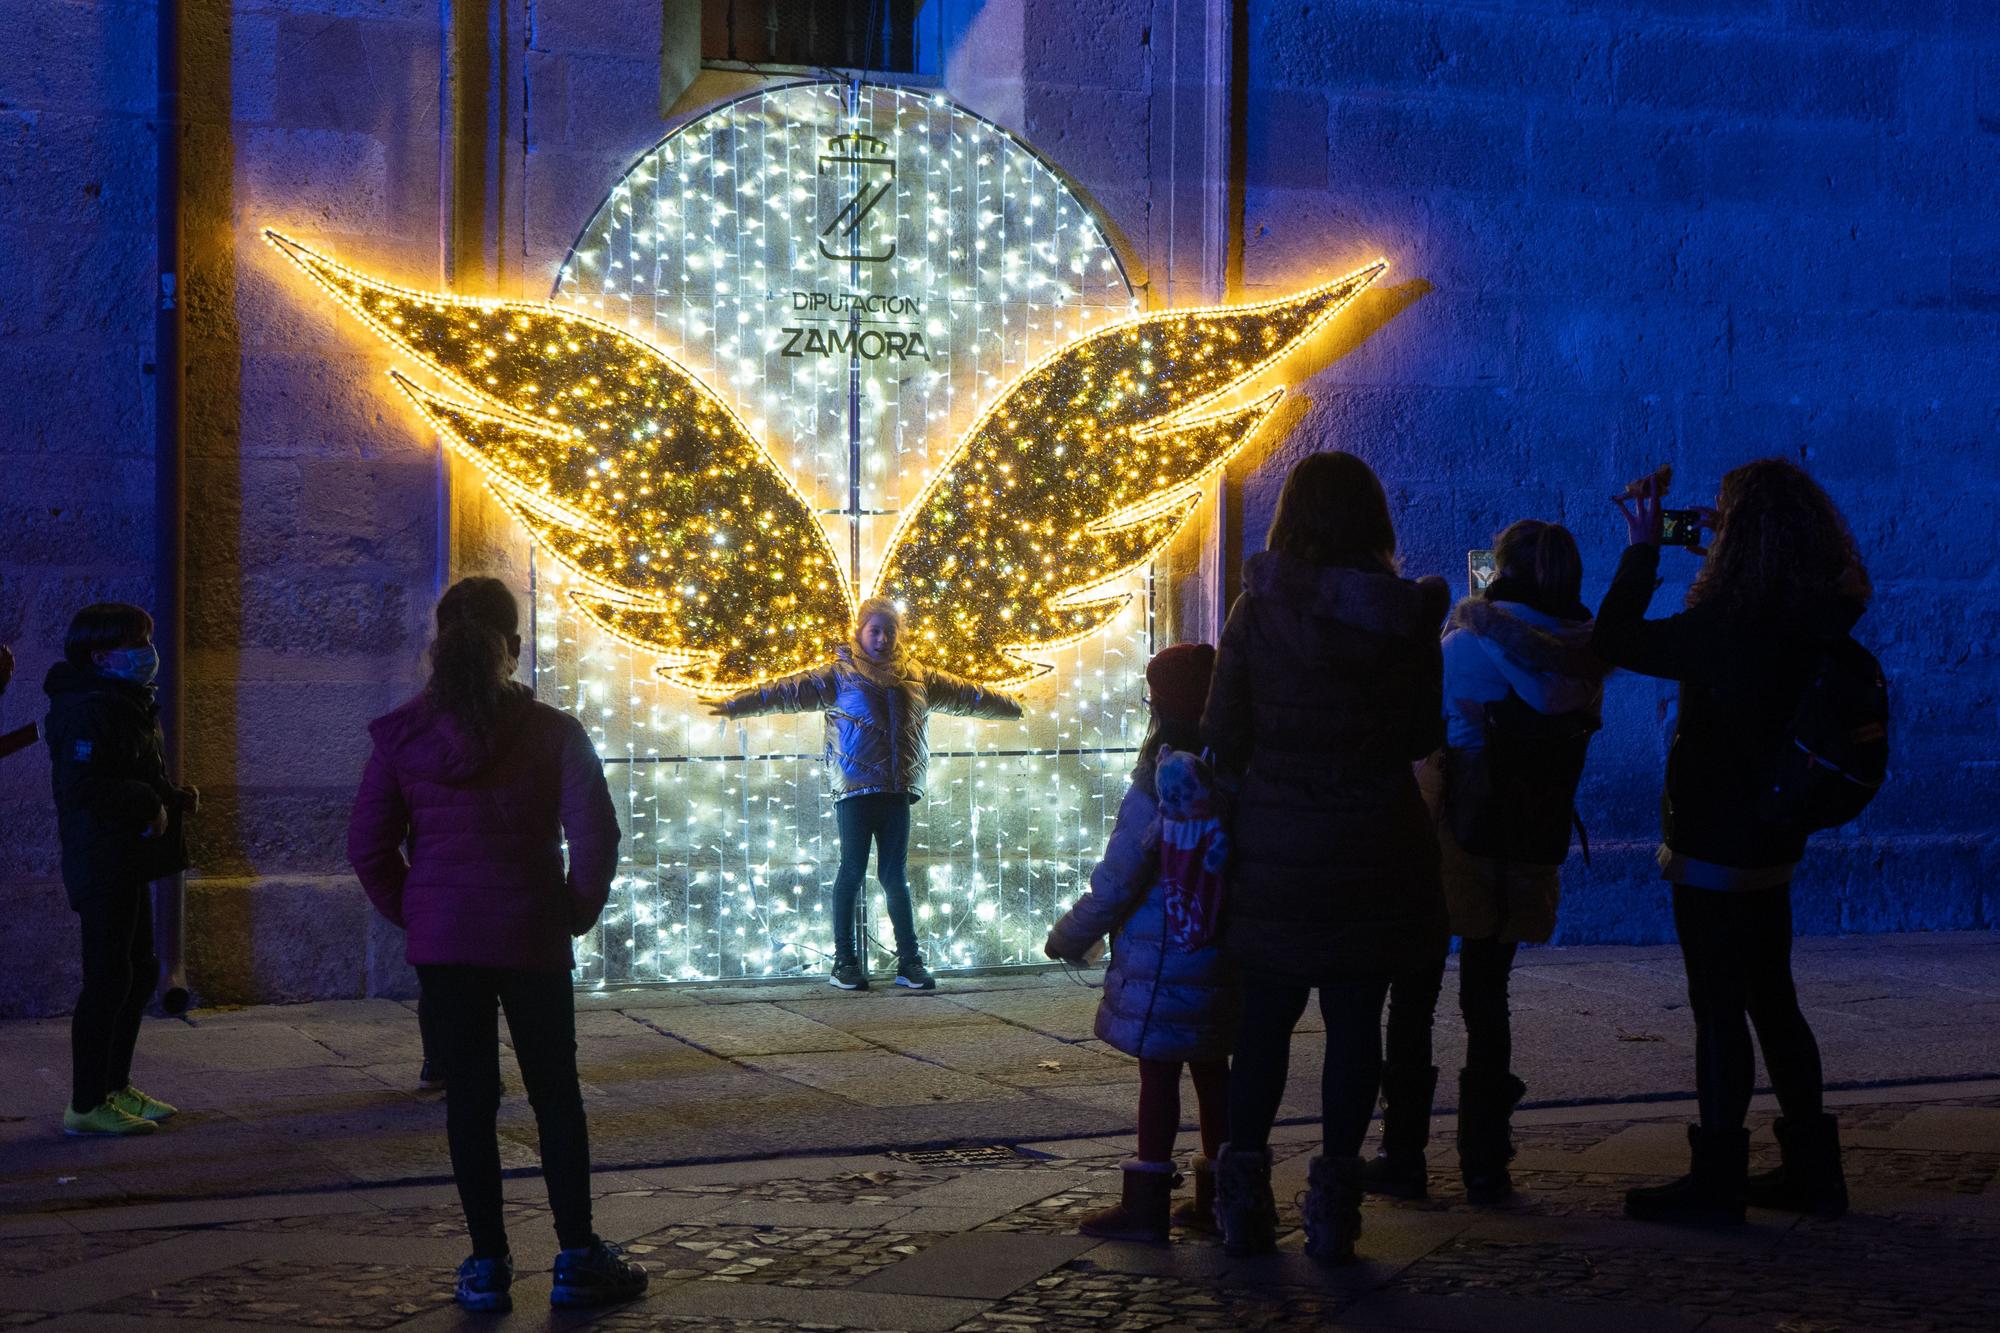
pixel 457 836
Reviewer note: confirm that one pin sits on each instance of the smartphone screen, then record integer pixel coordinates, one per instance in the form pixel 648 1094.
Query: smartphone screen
pixel 1480 571
pixel 1680 527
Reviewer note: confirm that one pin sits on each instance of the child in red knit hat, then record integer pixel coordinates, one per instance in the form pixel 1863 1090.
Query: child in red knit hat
pixel 1169 997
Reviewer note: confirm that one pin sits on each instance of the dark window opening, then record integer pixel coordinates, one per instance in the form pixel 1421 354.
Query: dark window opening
pixel 875 36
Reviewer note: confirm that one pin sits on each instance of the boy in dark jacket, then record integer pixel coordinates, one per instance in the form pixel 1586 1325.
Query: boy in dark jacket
pixel 120 820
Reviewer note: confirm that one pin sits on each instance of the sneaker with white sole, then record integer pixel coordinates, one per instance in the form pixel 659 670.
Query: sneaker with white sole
pixel 104 1121
pixel 912 975
pixel 486 1285
pixel 134 1102
pixel 848 975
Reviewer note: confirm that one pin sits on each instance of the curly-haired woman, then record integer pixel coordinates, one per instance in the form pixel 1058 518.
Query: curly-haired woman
pixel 1781 580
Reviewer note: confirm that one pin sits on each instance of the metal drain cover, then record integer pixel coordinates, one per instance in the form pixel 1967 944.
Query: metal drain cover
pixel 957 1156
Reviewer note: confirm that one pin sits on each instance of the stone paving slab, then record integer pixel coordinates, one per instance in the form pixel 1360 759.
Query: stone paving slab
pixel 815 1309
pixel 322 1095
pixel 878 1077
pixel 1500 1314
pixel 978 1264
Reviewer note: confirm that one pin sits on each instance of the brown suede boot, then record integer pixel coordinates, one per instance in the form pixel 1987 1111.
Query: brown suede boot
pixel 1198 1213
pixel 1142 1214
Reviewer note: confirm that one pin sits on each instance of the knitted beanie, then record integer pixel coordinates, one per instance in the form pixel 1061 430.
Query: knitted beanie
pixel 1177 681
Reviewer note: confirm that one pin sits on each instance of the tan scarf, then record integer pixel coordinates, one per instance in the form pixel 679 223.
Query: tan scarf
pixel 888 672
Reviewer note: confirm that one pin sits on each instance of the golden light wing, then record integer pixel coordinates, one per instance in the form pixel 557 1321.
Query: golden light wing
pixel 1078 474
pixel 688 537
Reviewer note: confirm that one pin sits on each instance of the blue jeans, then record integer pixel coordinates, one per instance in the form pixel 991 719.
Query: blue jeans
pixel 884 819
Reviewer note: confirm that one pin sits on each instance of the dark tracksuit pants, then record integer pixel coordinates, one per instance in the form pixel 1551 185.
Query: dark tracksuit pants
pixel 119 974
pixel 463 1006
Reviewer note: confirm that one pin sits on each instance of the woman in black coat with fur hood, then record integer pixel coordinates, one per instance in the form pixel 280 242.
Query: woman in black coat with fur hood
pixel 1326 691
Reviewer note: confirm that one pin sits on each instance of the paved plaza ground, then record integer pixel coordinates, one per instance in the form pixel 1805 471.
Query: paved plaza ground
pixel 759 1148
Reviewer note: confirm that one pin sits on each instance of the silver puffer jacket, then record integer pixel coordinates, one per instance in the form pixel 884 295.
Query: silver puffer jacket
pixel 876 740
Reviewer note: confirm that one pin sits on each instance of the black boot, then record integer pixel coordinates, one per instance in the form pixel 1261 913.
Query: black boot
pixel 1332 1209
pixel 1245 1210
pixel 1711 1193
pixel 1808 1179
pixel 1401 1170
pixel 1486 1103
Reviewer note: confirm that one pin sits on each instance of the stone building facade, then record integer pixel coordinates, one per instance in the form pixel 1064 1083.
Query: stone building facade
pixel 1621 232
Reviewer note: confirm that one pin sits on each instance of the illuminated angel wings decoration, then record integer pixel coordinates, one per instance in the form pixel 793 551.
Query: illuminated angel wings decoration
pixel 688 539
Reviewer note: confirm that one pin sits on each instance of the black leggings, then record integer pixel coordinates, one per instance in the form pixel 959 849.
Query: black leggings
pixel 1737 948
pixel 1483 970
pixel 119 973
pixel 1348 1080
pixel 884 819
pixel 1484 967
pixel 462 1005
pixel 1413 997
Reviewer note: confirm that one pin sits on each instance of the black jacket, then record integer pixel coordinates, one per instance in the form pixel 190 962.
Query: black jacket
pixel 1326 689
pixel 1741 682
pixel 110 777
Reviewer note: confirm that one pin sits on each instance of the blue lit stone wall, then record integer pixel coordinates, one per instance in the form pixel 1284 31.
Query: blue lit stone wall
pixel 1696 231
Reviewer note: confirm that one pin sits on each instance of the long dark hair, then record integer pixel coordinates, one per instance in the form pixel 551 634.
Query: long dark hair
pixel 1780 546
pixel 471 660
pixel 1540 566
pixel 1332 512
pixel 1162 733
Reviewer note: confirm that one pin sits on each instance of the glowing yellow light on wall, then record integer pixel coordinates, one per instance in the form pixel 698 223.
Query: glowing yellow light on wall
pixel 692 542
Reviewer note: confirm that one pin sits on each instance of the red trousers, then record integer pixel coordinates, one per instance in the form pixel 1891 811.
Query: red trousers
pixel 1160 1106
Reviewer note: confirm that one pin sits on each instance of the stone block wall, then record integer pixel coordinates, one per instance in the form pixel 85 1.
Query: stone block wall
pixel 1650 232
pixel 313 530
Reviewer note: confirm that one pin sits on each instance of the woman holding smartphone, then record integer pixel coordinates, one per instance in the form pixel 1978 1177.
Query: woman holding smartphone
pixel 1781 579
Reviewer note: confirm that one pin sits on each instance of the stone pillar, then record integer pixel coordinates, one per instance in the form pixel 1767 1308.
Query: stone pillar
pixel 482 160
pixel 1194 245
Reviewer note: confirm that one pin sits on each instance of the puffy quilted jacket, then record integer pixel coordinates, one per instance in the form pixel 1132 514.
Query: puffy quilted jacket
pixel 461 844
pixel 109 772
pixel 1159 1003
pixel 876 740
pixel 1328 686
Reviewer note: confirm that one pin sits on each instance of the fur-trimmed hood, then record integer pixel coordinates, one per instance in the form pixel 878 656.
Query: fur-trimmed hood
pixel 1544 645
pixel 1492 647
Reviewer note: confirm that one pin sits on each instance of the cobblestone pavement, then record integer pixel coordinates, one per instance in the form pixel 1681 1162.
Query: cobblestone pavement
pixel 876 1242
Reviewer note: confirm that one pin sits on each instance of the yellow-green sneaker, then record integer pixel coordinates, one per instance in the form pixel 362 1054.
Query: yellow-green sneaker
pixel 134 1102
pixel 103 1121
